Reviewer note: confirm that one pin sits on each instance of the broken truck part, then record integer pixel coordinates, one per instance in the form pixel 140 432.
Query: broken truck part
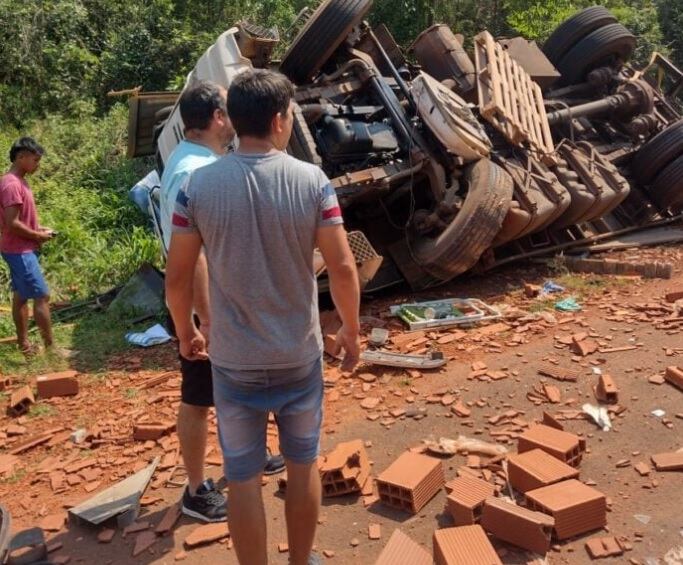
pixel 448 160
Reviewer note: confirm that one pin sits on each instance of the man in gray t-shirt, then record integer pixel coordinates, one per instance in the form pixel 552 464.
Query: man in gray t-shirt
pixel 259 214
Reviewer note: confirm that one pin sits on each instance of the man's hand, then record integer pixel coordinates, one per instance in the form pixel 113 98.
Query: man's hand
pixel 193 347
pixel 205 330
pixel 45 234
pixel 348 340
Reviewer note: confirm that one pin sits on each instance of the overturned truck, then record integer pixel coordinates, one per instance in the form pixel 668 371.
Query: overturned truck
pixel 448 160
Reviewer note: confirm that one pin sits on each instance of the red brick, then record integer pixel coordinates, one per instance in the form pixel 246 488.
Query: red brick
pixel 565 446
pixel 410 482
pixel 53 522
pixel 668 461
pixel 20 401
pixel 577 508
pixel 152 431
pixel 464 544
pixel 559 373
pixel 345 469
pixel 466 497
pixel 401 550
pixel 603 547
pixel 64 383
pixel 584 347
pixel 536 468
pixel 374 531
pixel 606 390
pixel 674 375
pixel 516 525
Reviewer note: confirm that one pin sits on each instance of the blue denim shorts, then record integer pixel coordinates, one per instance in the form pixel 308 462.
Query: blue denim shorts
pixel 243 401
pixel 25 275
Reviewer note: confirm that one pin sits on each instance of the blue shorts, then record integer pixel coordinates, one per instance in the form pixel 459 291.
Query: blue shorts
pixel 243 401
pixel 26 276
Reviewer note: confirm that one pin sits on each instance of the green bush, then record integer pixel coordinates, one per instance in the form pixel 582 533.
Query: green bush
pixel 81 191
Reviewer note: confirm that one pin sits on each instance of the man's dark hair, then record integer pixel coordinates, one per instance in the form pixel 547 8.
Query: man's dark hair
pixel 25 144
pixel 254 98
pixel 198 103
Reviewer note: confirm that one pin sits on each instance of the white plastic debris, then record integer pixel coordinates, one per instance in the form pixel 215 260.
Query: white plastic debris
pixel 446 446
pixel 658 413
pixel 599 415
pixel 597 371
pixel 78 436
pixel 642 518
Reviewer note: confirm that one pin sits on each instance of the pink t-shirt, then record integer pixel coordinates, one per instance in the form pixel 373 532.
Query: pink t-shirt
pixel 14 191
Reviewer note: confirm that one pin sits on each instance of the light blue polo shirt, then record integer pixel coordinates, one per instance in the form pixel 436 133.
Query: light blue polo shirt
pixel 187 157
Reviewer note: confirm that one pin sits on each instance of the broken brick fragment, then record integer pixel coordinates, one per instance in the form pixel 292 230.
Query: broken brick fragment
pixel 576 507
pixel 558 373
pixel 20 401
pixel 606 390
pixel 674 296
pixel 53 522
pixel 106 535
pixel 518 526
pixel 374 531
pixel 643 469
pixel 345 469
pixel 402 550
pixel 464 544
pixel 565 446
pixel 674 375
pixel 207 533
pixel 152 431
pixel 459 409
pixel 668 461
pixel 63 383
pixel 536 468
pixel 169 520
pixel 584 347
pixel 410 482
pixel 466 497
pixel 143 542
pixel 599 548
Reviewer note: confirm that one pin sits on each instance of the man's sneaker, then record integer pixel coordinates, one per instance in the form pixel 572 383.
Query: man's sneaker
pixel 274 464
pixel 208 504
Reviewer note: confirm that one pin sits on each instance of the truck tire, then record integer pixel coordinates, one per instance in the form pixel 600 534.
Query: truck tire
pixel 459 246
pixel 325 30
pixel 575 28
pixel 657 153
pixel 606 45
pixel 667 188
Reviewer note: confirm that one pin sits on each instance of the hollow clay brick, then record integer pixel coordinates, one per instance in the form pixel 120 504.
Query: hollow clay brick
pixel 674 375
pixel 345 469
pixel 410 482
pixel 5 383
pixel 401 550
pixel 668 461
pixel 518 526
pixel 536 468
pixel 465 500
pixel 606 390
pixel 565 446
pixel 577 508
pixel 64 383
pixel 20 401
pixel 464 544
pixel 559 373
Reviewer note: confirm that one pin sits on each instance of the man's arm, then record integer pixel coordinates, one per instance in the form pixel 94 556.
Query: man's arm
pixel 17 227
pixel 201 293
pixel 344 287
pixel 180 274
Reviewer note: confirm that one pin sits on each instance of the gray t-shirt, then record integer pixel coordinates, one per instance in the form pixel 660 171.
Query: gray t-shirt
pixel 257 216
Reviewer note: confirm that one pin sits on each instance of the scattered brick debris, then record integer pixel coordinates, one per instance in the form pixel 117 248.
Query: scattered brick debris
pixel 328 553
pixel 558 373
pixel 552 393
pixel 674 296
pixel 401 550
pixel 345 469
pixel 674 375
pixel 7 463
pixel 374 531
pixel 668 461
pixel 598 548
pixel 466 497
pixel 370 402
pixel 410 481
pixel 536 468
pixel 208 533
pixel 565 446
pixel 606 390
pixel 464 544
pixel 63 383
pixel 106 535
pixel 5 382
pixel 656 379
pixel 53 522
pixel 550 421
pixel 459 409
pixel 152 431
pixel 576 507
pixel 518 526
pixel 20 401
pixel 143 542
pixel 135 527
pixel 169 520
pixel 643 469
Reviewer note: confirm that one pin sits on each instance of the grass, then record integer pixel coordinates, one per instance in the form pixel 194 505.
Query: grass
pixel 41 410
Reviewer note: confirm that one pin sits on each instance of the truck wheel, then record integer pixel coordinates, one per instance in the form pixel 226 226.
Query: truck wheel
pixel 657 153
pixel 321 35
pixel 572 30
pixel 459 246
pixel 611 44
pixel 667 188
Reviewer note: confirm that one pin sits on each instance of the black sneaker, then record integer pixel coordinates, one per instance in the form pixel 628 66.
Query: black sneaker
pixel 274 464
pixel 208 504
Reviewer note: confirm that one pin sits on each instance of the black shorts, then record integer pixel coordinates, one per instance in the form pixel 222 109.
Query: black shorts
pixel 196 388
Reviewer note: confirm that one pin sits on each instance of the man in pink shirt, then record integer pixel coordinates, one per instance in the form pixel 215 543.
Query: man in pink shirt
pixel 20 239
